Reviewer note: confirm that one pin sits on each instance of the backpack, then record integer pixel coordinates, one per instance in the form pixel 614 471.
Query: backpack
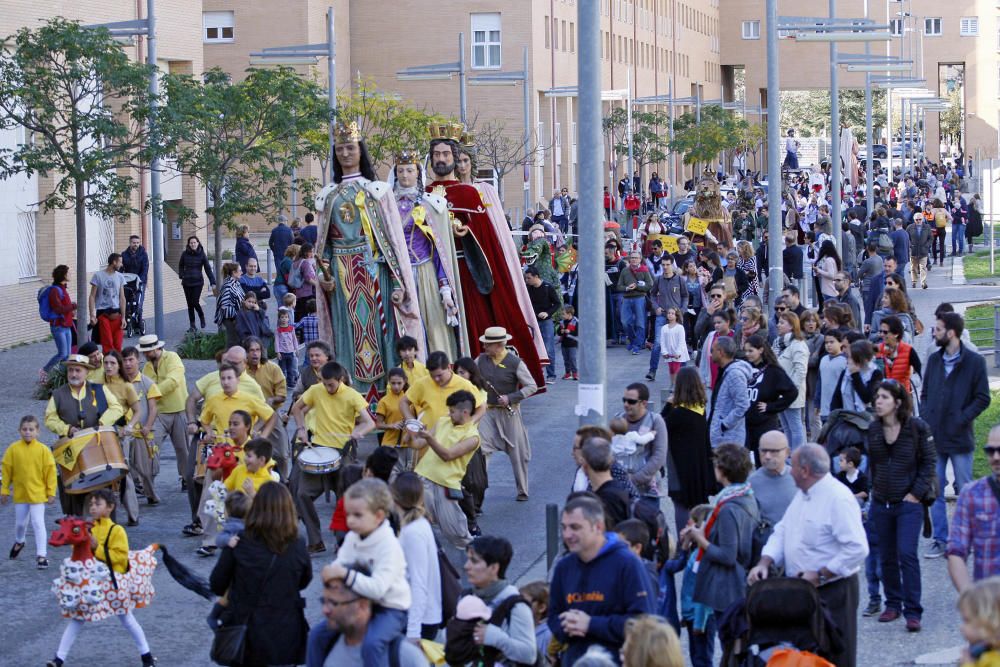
pixel 294 279
pixel 761 531
pixel 883 241
pixel 44 307
pixel 940 219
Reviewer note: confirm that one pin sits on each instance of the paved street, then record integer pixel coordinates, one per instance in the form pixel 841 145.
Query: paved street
pixel 175 625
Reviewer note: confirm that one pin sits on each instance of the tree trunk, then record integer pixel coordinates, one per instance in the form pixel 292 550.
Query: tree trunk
pixel 82 280
pixel 218 250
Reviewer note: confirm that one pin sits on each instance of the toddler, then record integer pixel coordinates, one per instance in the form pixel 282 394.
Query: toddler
pixel 696 617
pixel 372 544
pixel 287 345
pixel 536 594
pixel 349 474
pixel 29 468
pixel 979 605
pixel 568 332
pixel 626 443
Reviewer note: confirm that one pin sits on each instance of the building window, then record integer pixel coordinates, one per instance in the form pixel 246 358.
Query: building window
pixel 486 41
pixel 572 38
pixel 932 27
pixel 969 26
pixel 555 34
pixel 751 30
pixel 218 26
pixel 546 32
pixel 896 27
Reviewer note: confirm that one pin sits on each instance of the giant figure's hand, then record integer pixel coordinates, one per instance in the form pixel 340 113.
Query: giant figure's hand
pixel 397 296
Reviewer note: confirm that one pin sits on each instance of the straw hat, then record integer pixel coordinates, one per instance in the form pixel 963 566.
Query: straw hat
pixel 78 360
pixel 149 342
pixel 495 335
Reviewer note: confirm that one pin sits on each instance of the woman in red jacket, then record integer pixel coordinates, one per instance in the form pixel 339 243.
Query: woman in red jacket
pixel 61 309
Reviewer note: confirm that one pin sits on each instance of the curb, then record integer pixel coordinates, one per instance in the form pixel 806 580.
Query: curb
pixel 957 271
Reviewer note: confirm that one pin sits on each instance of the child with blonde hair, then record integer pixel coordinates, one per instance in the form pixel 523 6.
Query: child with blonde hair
pixel 979 605
pixel 371 543
pixel 29 468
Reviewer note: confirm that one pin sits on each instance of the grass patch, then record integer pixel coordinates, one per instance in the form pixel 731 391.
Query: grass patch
pixel 987 420
pixel 977 265
pixel 979 321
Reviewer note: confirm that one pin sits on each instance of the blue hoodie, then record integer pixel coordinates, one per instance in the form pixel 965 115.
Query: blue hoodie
pixel 611 588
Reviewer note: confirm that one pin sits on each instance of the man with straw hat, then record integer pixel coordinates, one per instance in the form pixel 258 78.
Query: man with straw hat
pixel 166 369
pixel 75 406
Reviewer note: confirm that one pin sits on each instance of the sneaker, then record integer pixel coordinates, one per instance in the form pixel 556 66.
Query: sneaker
pixel 132 523
pixel 522 497
pixel 913 625
pixel 147 660
pixel 936 550
pixel 913 284
pixel 317 548
pixel 576 376
pixel 206 551
pixel 550 380
pixel 475 530
pixel 15 550
pixel 873 609
pixel 888 616
pixel 54 662
pixel 192 530
pixel 924 285
pixel 651 376
pixel 635 352
pixel 42 563
pixel 567 376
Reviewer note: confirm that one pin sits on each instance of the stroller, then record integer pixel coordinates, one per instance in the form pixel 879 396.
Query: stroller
pixel 134 292
pixel 778 613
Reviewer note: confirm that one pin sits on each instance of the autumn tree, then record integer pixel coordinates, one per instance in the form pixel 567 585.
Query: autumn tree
pixel 501 150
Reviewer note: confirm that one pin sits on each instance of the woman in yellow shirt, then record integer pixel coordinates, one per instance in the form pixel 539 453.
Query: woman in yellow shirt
pixel 30 469
pixel 126 394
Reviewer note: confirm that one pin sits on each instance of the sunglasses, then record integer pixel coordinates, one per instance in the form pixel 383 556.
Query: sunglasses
pixel 991 451
pixel 780 309
pixel 630 401
pixel 884 332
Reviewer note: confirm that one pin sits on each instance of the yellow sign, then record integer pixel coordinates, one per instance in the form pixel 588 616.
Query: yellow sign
pixel 669 243
pixel 696 226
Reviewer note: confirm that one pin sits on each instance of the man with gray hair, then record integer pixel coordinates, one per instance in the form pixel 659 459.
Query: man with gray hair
pixel 597 460
pixel 821 539
pixel 281 237
pixel 730 400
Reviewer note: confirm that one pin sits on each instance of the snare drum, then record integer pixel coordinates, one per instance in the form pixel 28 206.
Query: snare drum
pixel 319 460
pixel 99 460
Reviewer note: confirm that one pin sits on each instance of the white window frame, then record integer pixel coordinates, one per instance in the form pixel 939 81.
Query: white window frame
pixel 968 26
pixel 218 21
pixel 486 36
pixel 895 27
pixel 928 22
pixel 750 30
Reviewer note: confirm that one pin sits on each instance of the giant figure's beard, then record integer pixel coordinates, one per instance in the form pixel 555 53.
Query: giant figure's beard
pixel 443 168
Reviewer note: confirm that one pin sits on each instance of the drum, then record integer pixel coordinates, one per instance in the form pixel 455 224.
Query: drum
pixel 319 460
pixel 91 459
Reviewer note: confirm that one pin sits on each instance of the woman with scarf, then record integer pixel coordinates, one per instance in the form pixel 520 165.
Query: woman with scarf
pixel 231 298
pixel 725 542
pixel 856 386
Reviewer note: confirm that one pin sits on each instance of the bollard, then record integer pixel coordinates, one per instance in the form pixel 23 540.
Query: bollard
pixel 268 278
pixel 551 534
pixel 996 335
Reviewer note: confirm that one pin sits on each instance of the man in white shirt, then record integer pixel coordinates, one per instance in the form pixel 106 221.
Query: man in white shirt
pixel 822 540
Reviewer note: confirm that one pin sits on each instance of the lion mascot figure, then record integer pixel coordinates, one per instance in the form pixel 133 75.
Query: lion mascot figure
pixel 708 207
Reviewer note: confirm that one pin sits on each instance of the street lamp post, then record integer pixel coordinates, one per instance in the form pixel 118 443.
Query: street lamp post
pixel 442 71
pixel 775 274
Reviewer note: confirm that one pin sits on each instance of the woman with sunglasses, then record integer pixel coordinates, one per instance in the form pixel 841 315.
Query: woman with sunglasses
pixel 893 303
pixel 770 390
pixel 902 460
pixel 899 361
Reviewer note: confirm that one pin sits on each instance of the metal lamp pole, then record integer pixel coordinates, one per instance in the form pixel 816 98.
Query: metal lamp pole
pixel 836 179
pixel 775 274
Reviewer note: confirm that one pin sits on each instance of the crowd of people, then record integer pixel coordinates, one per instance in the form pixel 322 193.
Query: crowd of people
pixel 810 445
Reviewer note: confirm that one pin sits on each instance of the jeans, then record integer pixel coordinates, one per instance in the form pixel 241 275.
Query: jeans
pixel 701 645
pixel 957 237
pixel 561 221
pixel 548 335
pixel 63 337
pixel 873 568
pixel 382 628
pixel 937 245
pixel 569 359
pixel 793 427
pixel 898 526
pixel 962 465
pixel 288 363
pixel 634 321
pixel 616 333
pixel 655 353
pixel 279 290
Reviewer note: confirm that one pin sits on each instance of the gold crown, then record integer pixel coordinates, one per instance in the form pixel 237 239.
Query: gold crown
pixel 468 139
pixel 346 132
pixel 451 131
pixel 408 156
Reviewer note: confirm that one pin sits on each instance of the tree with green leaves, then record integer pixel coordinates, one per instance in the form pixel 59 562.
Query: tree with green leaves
pixel 84 107
pixel 701 142
pixel 649 142
pixel 242 140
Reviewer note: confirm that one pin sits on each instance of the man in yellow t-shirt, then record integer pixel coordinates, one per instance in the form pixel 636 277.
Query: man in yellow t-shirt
pixel 330 415
pixel 449 447
pixel 217 409
pixel 427 398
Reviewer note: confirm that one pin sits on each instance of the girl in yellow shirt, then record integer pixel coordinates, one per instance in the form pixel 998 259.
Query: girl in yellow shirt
pixel 29 468
pixel 388 416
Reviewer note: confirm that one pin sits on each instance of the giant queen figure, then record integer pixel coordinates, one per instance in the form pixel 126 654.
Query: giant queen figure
pixel 491 282
pixel 369 298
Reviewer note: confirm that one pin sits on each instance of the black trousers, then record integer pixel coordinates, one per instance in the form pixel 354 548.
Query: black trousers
pixel 192 294
pixel 841 599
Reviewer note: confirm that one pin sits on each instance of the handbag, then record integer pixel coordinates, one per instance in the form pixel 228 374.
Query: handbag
pixel 229 643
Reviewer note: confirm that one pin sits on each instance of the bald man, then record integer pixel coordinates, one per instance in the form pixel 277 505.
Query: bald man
pixel 772 483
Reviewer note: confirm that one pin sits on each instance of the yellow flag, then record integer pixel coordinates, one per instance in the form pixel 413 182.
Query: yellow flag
pixel 66 454
pixel 697 225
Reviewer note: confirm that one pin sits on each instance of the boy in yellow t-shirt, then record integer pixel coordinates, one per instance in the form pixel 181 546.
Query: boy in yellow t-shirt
pixel 217 409
pixel 253 472
pixel 406 347
pixel 28 467
pixel 442 466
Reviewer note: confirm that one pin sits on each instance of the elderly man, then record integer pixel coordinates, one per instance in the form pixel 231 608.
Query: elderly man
pixel 338 640
pixel 167 370
pixel 975 526
pixel 772 483
pixel 508 382
pixel 76 405
pixel 822 540
pixel 598 586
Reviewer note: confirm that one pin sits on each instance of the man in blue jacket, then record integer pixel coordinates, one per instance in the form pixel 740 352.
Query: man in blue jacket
pixel 281 238
pixel 135 260
pixel 955 391
pixel 598 586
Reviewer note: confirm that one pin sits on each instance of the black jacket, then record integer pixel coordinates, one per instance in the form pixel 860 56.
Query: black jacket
pixel 190 266
pixel 614 497
pixel 791 258
pixel 544 299
pixel 771 385
pixel 136 262
pixel 905 466
pixel 277 628
pixel 951 404
pixel 690 457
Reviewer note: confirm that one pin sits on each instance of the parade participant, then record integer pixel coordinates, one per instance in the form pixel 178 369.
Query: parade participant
pixel 431 247
pixel 110 546
pixel 489 283
pixel 318 353
pixel 92 351
pixel 145 462
pixel 448 445
pixel 217 409
pixel 272 383
pixel 330 414
pixel 78 404
pixel 107 303
pixel 427 399
pixel 251 473
pixel 166 369
pixel 368 298
pixel 414 369
pixel 238 437
pixel 508 382
pixel 115 382
pixel 29 469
